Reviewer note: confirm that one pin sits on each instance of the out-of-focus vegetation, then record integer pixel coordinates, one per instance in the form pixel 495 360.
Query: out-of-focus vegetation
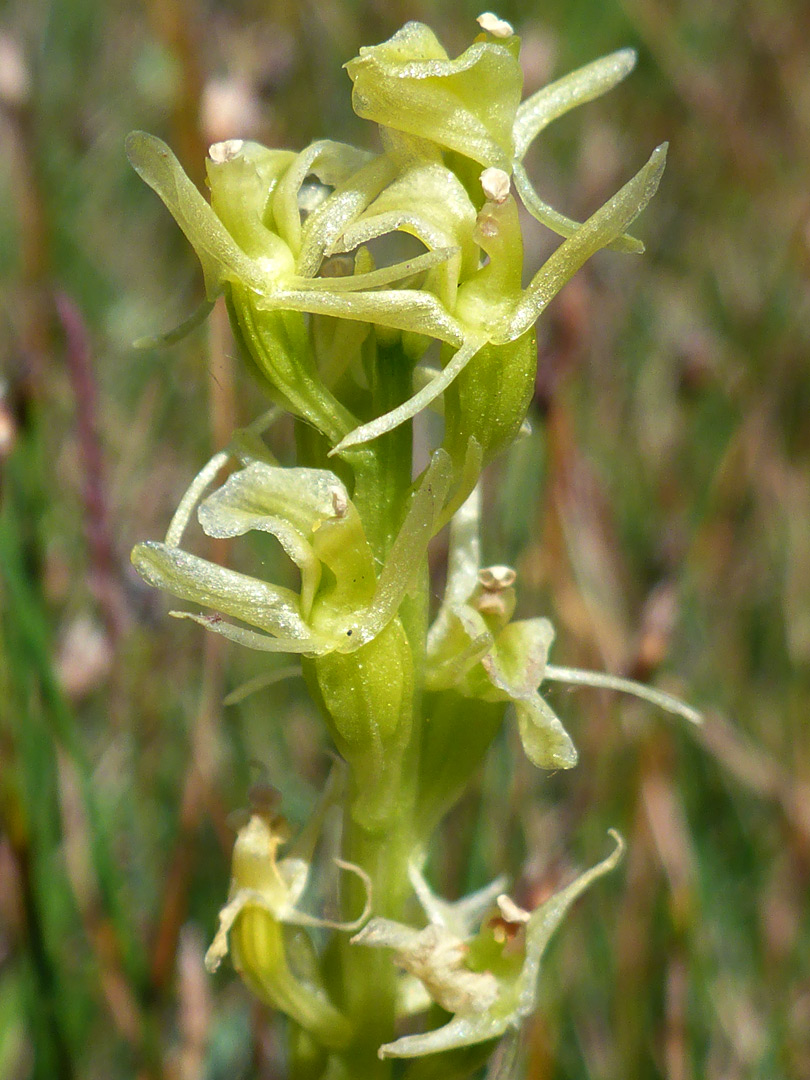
pixel 660 512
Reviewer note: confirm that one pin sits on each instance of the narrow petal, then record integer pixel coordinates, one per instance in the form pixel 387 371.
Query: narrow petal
pixel 261 682
pixel 556 99
pixel 608 223
pixel 252 639
pixel 301 918
pixel 420 400
pixel 577 677
pixel 386 275
pixel 171 337
pixel 195 491
pixel 245 445
pixel 559 223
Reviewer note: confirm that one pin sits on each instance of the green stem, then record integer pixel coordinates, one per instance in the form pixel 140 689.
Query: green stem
pixel 382 469
pixel 369 976
pixel 381 484
pixel 382 490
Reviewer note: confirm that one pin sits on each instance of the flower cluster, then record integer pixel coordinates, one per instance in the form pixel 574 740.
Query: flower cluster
pixel 455 135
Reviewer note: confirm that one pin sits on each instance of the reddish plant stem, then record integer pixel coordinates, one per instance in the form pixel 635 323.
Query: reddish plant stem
pixel 104 577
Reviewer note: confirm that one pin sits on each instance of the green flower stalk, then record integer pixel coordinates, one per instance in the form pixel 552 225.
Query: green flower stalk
pixel 411 707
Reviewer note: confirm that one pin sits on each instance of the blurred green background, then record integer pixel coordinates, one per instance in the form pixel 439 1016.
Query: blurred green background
pixel 659 514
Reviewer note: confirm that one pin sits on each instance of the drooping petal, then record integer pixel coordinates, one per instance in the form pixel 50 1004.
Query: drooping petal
pixel 271 608
pixel 415 404
pixel 253 639
pixel 310 513
pixel 545 741
pixel 386 275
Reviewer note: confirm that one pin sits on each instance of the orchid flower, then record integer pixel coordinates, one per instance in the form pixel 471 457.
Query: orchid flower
pixel 254 247
pixel 477 650
pixel 459 132
pixel 487 979
pixel 264 898
pixel 342 344
pixel 344 621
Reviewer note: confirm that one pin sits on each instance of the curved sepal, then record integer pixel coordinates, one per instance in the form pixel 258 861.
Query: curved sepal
pixel 600 230
pixel 220 255
pixel 580 86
